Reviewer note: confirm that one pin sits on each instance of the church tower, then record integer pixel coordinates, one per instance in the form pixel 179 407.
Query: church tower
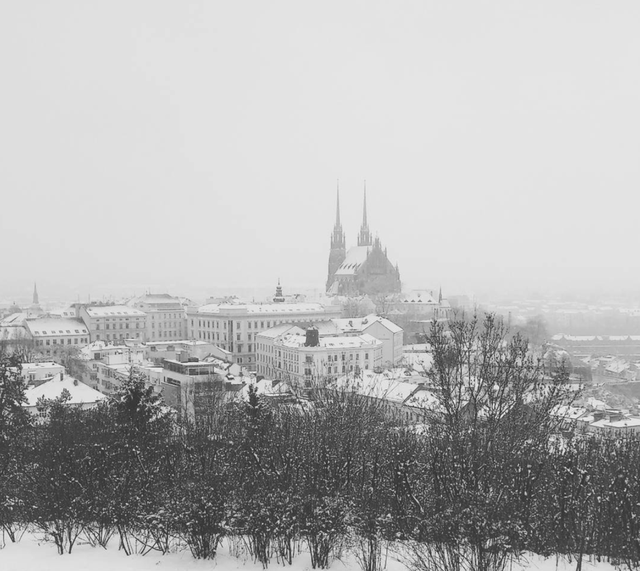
pixel 364 238
pixel 338 246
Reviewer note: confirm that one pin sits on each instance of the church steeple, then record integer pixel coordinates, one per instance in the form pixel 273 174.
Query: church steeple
pixel 35 295
pixel 338 245
pixel 337 238
pixel 364 238
pixel 279 297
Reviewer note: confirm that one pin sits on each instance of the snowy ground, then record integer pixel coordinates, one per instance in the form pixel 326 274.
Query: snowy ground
pixel 34 554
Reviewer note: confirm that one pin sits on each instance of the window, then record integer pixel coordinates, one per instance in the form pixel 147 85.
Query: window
pixel 249 325
pixel 238 337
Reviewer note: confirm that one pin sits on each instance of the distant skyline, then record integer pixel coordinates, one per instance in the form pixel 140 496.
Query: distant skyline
pixel 196 146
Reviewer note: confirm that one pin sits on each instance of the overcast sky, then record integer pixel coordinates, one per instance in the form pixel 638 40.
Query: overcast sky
pixel 198 143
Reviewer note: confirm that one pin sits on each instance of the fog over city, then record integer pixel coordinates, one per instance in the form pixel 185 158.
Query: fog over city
pixel 196 147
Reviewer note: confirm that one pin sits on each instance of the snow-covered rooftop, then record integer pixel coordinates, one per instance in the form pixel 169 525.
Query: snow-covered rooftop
pixel 113 311
pixel 295 340
pixel 279 330
pixel 262 308
pixel 50 327
pixel 353 324
pixel 378 386
pixel 355 257
pixel 80 393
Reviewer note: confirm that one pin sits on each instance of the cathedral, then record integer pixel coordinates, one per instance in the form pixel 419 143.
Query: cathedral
pixel 363 269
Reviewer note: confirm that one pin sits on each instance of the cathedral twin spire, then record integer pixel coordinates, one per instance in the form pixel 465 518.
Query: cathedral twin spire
pixel 364 238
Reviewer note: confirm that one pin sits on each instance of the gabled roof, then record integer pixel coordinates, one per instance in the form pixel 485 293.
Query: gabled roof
pixel 361 324
pixel 80 393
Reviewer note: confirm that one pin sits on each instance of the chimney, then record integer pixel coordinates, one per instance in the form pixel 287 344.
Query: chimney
pixel 313 337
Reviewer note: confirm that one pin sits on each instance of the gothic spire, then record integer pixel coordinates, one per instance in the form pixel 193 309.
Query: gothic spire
pixel 337 238
pixel 35 294
pixel 364 239
pixel 364 206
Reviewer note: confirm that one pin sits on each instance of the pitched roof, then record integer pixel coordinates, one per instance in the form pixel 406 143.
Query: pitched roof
pixel 80 393
pixel 113 310
pixel 356 256
pixel 51 327
pixel 355 324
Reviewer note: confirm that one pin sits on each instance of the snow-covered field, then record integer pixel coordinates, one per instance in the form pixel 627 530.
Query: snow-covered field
pixel 34 554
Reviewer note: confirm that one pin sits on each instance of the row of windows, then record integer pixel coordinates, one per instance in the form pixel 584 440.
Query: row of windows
pixel 119 326
pixel 237 325
pixel 115 337
pixel 173 324
pixel 76 340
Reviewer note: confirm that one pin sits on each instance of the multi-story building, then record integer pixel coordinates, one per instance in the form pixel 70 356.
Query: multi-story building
pixel 114 322
pixel 382 329
pixel 50 335
pixel 194 387
pixel 304 359
pixel 166 317
pixel 235 326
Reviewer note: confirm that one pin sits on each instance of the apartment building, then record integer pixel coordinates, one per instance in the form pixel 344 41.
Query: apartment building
pixel 114 323
pixel 304 359
pixel 51 335
pixel 235 326
pixel 166 317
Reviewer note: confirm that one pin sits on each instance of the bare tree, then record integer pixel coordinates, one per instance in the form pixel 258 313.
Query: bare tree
pixel 488 439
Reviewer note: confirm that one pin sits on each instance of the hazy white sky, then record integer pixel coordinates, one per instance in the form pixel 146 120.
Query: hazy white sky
pixel 169 142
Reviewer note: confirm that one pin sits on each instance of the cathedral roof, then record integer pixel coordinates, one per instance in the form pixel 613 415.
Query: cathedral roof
pixel 356 256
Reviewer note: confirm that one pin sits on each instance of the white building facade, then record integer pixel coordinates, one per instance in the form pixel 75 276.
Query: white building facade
pixel 52 335
pixel 113 323
pixel 295 356
pixel 382 329
pixel 235 326
pixel 166 317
